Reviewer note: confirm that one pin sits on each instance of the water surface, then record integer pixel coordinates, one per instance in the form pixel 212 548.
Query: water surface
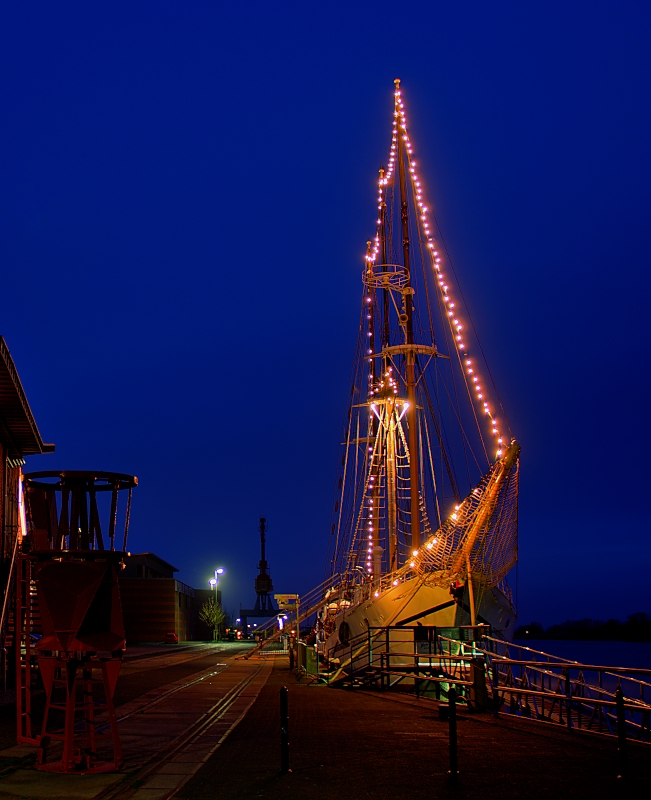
pixel 606 654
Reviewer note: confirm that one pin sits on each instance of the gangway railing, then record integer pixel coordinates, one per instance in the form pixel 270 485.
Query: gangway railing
pixel 312 602
pixel 492 673
pixel 393 657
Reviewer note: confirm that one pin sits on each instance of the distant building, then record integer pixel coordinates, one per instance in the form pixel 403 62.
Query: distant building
pixel 147 565
pixel 154 603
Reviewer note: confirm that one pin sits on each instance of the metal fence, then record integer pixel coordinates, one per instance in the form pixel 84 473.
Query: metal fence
pixel 594 698
pixel 490 674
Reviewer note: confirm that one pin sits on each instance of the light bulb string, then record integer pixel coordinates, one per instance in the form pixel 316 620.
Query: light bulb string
pixel 472 324
pixel 467 364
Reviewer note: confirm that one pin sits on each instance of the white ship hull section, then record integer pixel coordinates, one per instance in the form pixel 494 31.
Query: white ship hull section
pixel 413 602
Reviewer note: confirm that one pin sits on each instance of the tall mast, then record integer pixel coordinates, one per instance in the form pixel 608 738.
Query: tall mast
pixel 373 543
pixel 406 419
pixel 385 260
pixel 412 412
pixel 389 435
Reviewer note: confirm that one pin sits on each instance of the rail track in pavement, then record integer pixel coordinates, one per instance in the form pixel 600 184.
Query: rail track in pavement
pixel 230 689
pixel 167 733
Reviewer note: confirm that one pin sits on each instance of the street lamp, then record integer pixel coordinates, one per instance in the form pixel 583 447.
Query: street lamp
pixel 214 583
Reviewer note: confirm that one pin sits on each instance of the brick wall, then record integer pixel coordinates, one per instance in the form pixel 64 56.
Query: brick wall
pixel 149 608
pixel 152 607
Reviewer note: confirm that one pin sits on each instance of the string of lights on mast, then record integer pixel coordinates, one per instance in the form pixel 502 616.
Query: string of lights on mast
pixel 471 377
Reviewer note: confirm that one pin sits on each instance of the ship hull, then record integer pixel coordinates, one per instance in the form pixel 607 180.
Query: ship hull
pixel 413 603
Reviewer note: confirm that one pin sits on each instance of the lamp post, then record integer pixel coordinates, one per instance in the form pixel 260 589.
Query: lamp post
pixel 214 583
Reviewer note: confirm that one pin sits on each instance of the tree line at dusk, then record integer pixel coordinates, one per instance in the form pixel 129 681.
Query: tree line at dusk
pixel 636 628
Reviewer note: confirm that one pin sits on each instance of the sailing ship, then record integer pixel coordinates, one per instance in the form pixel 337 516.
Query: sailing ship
pixel 425 520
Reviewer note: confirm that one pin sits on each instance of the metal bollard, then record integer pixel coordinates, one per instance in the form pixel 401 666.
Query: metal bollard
pixel 568 698
pixel 478 690
pixel 284 731
pixel 621 733
pixel 496 692
pixel 452 720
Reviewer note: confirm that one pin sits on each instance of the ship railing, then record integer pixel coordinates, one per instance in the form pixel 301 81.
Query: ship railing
pixel 315 599
pixel 607 700
pixel 489 672
pixel 386 276
pixel 308 605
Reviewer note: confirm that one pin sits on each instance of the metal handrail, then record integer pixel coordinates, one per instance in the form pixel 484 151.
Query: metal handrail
pixel 577 665
pixel 308 604
pixel 575 702
pixel 580 701
pixel 312 602
pixel 630 705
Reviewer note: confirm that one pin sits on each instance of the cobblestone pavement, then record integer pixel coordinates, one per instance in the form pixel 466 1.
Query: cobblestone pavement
pixel 347 744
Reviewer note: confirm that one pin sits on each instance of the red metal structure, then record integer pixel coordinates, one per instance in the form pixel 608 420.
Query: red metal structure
pixel 68 576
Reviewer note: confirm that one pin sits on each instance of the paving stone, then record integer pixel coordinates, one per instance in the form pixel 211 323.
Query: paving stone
pixel 163 781
pixel 36 785
pixel 178 768
pixel 192 757
pixel 376 745
pixel 150 794
pixel 18 751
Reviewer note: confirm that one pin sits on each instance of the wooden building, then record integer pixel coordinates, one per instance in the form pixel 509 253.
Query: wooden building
pixel 19 438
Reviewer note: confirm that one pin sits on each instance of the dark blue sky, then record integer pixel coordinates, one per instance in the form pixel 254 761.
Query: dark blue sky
pixel 186 191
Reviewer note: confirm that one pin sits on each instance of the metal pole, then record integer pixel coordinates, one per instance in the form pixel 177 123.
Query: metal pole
pixel 284 731
pixel 71 703
pixel 19 623
pixel 412 415
pixel 452 720
pixel 127 518
pixel 568 696
pixel 496 692
pixel 471 593
pixel 621 733
pixel 385 292
pixel 370 650
pixel 216 638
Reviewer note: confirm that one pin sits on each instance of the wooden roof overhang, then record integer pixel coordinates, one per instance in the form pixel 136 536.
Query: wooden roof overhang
pixel 18 430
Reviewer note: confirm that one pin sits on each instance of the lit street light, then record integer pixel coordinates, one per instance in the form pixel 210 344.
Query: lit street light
pixel 214 583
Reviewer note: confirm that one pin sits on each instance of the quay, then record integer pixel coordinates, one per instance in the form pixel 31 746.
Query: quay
pixel 215 733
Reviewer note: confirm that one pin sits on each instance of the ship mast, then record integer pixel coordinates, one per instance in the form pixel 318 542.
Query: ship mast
pixel 414 411
pixel 412 415
pixel 387 446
